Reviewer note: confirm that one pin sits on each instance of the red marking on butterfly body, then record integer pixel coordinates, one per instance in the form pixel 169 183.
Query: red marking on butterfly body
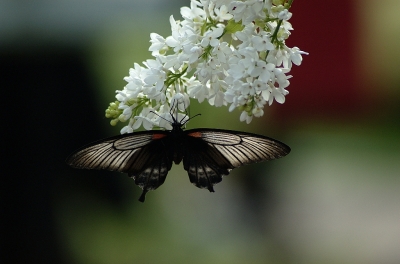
pixel 158 136
pixel 195 134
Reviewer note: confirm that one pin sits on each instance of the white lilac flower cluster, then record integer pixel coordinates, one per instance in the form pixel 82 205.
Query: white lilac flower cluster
pixel 226 52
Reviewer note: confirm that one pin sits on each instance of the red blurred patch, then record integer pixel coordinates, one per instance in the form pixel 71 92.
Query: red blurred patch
pixel 327 83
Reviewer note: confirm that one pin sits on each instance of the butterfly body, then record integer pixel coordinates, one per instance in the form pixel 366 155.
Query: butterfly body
pixel 207 154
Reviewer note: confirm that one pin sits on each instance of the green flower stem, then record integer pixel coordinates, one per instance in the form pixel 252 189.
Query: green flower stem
pixel 274 37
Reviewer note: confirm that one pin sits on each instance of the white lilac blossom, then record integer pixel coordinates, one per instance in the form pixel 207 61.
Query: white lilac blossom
pixel 229 53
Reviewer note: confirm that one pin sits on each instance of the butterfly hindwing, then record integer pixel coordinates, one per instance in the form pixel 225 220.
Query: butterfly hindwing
pixel 156 169
pixel 204 164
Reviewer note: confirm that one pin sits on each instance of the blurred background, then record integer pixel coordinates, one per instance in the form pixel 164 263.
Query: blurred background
pixel 334 199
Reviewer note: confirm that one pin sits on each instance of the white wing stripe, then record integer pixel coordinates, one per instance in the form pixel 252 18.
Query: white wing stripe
pixel 128 143
pixel 228 155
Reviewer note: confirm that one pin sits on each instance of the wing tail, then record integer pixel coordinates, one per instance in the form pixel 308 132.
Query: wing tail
pixel 153 175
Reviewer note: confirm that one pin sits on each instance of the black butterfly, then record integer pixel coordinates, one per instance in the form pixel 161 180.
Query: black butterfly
pixel 207 154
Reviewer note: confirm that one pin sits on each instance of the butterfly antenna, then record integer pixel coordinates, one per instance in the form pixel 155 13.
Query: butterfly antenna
pixel 175 118
pixel 160 116
pixel 190 118
pixel 176 111
pixel 187 113
pixel 171 112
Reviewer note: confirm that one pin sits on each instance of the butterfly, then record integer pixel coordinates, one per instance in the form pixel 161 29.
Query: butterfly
pixel 207 154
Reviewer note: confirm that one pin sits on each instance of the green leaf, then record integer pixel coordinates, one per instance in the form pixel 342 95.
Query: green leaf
pixel 233 26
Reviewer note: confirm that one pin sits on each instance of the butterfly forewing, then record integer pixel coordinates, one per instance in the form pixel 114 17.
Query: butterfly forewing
pixel 121 153
pixel 240 148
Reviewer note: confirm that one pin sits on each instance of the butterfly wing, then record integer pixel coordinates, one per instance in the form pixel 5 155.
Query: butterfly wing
pixel 145 156
pixel 204 165
pixel 212 153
